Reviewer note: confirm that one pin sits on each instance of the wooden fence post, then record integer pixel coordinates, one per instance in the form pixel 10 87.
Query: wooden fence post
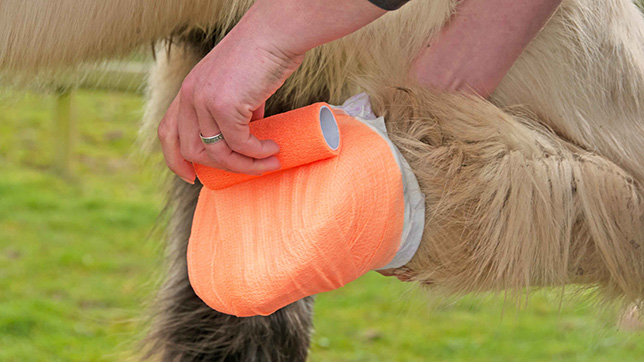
pixel 127 77
pixel 64 132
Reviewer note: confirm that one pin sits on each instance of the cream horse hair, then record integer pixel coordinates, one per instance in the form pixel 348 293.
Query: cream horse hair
pixel 540 185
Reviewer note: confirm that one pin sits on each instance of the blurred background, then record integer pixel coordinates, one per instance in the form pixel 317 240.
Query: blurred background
pixel 81 248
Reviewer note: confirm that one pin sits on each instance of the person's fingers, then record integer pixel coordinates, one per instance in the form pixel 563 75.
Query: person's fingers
pixel 220 155
pixel 240 140
pixel 237 133
pixel 208 126
pixel 194 119
pixel 258 113
pixel 192 148
pixel 169 137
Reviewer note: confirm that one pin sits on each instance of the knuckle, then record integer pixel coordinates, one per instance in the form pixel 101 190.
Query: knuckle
pixel 215 107
pixel 216 156
pixel 170 165
pixel 235 145
pixel 188 87
pixel 163 131
pixel 201 98
pixel 189 154
pixel 222 103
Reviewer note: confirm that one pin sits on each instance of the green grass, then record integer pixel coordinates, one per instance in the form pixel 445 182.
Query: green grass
pixel 78 264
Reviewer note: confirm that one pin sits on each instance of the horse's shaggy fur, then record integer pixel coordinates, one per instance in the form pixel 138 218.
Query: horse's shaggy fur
pixel 511 204
pixel 540 186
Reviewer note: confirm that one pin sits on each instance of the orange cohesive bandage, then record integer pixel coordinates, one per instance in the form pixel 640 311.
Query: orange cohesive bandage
pixel 262 243
pixel 305 135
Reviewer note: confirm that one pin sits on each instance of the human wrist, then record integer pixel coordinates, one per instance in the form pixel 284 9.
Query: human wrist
pixel 260 55
pixel 296 26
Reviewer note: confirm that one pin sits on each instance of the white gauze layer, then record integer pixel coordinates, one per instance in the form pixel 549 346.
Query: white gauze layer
pixel 359 107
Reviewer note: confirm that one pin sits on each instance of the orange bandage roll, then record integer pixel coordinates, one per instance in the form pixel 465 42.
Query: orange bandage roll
pixel 304 135
pixel 259 245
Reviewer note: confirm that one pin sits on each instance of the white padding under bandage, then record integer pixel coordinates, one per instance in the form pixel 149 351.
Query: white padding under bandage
pixel 359 107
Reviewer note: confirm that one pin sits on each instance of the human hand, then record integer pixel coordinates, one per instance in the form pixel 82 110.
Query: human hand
pixel 223 93
pixel 228 88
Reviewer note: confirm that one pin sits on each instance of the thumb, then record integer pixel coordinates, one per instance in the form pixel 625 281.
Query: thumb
pixel 258 113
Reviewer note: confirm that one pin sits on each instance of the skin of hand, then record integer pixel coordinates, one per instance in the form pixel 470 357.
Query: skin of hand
pixel 228 88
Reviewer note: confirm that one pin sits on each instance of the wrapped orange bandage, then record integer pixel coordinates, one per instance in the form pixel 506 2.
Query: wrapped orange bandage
pixel 332 214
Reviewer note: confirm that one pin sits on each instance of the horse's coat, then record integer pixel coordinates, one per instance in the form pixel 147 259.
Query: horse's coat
pixel 542 186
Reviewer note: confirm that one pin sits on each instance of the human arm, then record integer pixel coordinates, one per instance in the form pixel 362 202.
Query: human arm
pixel 228 88
pixel 481 42
pixel 476 50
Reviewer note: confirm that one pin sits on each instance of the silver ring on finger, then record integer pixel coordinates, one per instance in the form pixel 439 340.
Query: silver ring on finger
pixel 212 139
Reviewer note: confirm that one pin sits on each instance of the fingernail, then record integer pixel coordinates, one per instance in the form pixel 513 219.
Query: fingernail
pixel 188 180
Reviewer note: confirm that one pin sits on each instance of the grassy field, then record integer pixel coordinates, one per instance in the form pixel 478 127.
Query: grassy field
pixel 79 260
